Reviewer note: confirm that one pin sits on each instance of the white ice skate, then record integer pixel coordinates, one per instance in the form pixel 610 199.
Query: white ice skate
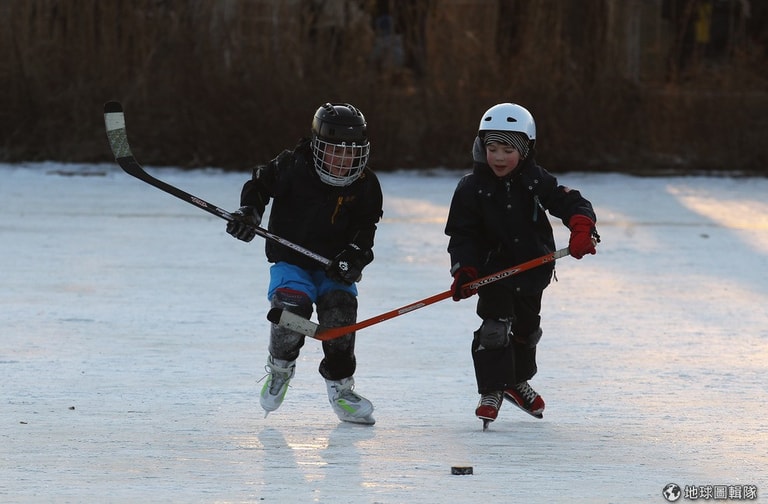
pixel 279 376
pixel 347 404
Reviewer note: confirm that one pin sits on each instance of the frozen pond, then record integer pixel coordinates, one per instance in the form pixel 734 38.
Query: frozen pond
pixel 134 335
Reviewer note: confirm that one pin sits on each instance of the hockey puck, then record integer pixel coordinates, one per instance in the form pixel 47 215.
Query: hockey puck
pixel 461 470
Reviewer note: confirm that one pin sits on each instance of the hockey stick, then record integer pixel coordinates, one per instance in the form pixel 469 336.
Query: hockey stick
pixel 114 120
pixel 301 325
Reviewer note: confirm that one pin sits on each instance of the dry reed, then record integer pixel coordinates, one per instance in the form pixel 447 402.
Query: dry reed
pixel 230 84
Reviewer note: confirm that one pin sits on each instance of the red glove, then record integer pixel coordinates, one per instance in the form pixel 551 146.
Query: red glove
pixel 463 275
pixel 583 236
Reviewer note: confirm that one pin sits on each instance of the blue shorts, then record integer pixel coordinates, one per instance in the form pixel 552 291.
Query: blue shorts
pixel 314 283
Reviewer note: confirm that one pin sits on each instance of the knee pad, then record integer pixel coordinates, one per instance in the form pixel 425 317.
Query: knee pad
pixel 293 301
pixel 283 342
pixel 531 340
pixel 493 334
pixel 337 308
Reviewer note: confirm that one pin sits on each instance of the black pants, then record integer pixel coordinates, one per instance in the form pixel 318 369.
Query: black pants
pixel 502 368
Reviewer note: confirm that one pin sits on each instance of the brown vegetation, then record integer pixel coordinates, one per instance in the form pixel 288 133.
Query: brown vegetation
pixel 231 83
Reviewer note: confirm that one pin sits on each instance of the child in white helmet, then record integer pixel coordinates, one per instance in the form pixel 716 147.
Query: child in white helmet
pixel 497 220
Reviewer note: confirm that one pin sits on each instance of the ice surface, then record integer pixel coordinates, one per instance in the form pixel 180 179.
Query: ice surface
pixel 134 337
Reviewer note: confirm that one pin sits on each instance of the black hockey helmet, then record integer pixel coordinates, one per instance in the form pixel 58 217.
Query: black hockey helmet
pixel 340 143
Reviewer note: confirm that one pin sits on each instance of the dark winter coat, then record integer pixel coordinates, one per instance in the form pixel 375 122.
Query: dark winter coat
pixel 306 211
pixel 497 223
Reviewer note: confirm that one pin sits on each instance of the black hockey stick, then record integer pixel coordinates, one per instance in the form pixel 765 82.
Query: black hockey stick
pixel 114 120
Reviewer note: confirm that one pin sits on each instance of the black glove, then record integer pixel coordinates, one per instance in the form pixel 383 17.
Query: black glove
pixel 349 263
pixel 463 275
pixel 244 222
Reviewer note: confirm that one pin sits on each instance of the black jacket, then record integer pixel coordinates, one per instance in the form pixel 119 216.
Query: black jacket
pixel 496 223
pixel 319 217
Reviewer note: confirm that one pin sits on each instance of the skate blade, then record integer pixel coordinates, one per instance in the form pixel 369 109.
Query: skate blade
pixel 538 415
pixel 366 420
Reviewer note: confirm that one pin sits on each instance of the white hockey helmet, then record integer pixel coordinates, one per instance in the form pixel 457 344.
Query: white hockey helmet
pixel 509 118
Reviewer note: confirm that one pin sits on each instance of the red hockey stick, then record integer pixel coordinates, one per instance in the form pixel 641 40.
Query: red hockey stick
pixel 307 327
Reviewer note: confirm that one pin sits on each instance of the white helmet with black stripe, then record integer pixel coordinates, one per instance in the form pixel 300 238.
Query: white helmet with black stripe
pixel 508 123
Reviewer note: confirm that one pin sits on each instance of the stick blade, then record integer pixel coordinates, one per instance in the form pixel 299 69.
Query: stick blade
pixel 114 121
pixel 112 107
pixel 294 322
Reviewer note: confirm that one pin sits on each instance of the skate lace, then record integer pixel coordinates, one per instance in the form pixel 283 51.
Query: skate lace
pixel 526 391
pixel 346 393
pixel 279 376
pixel 491 399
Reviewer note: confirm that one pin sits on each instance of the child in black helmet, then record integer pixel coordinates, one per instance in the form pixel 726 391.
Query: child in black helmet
pixel 326 199
pixel 497 220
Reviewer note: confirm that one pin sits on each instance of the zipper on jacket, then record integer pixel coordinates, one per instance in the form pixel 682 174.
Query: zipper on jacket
pixel 339 201
pixel 536 205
